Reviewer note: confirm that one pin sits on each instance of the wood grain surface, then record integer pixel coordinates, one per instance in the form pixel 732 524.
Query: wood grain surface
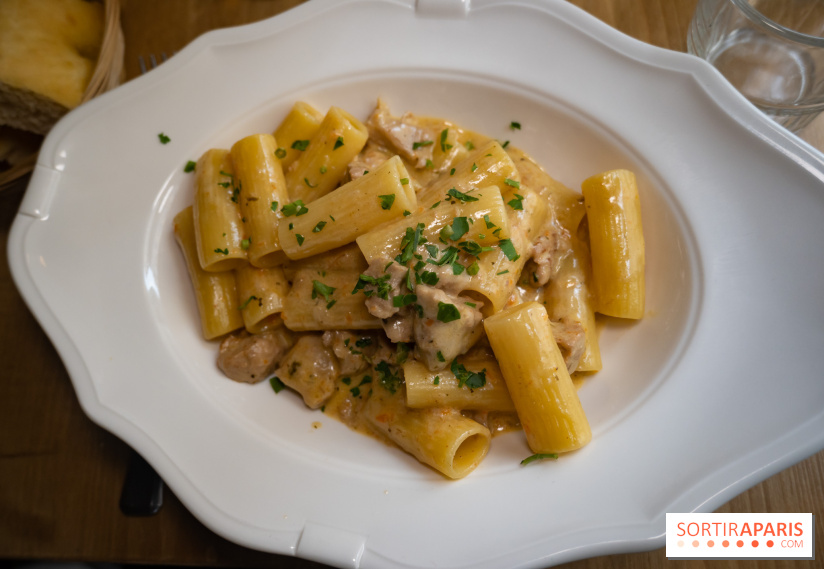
pixel 61 475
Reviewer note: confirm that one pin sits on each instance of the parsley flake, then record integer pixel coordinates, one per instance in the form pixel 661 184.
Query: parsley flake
pixel 460 196
pixel 338 143
pixel 539 456
pixel 295 208
pixel 448 312
pixel 387 201
pixel 163 138
pixel 300 145
pixel 276 384
pixel 319 227
pixel 190 166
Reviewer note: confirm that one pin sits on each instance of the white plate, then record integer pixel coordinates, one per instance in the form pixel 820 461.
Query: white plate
pixel 716 389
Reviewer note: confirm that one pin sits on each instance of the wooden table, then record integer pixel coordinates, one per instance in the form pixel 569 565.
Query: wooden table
pixel 61 475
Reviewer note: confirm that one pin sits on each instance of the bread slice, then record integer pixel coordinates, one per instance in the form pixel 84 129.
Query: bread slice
pixel 48 51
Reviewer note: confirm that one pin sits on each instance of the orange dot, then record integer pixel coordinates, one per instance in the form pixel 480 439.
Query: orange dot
pixel 725 543
pixel 695 543
pixel 770 543
pixel 755 543
pixel 710 543
pixel 739 543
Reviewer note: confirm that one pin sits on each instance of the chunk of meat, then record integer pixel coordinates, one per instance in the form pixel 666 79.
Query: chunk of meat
pixel 571 340
pixel 356 351
pixel 310 368
pixel 549 251
pixel 437 343
pixel 399 327
pixel 250 358
pixel 380 304
pixel 370 158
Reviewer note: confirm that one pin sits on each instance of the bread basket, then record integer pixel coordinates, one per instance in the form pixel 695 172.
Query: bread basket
pixel 108 73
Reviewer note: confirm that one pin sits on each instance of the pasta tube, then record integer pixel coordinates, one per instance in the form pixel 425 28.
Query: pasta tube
pixel 323 300
pixel 486 224
pixel 262 192
pixel 261 294
pixel 218 223
pixel 441 437
pixel 346 258
pixel 487 165
pixel 425 388
pixel 323 163
pixel 353 209
pixel 617 243
pixel 540 386
pixel 215 293
pixel 298 127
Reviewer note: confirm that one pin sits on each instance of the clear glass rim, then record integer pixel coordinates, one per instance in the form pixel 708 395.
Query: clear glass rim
pixel 761 20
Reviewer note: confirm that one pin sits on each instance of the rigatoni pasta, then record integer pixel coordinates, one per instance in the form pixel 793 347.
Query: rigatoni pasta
pixel 422 283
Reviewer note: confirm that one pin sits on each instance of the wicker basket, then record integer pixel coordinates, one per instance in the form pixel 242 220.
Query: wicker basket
pixel 108 73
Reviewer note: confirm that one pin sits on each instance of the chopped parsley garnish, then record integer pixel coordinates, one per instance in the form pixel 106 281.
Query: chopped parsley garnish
pixel 323 170
pixel 381 286
pixel 452 172
pixel 437 380
pixel 416 145
pixel 473 248
pixel 473 269
pixel 432 250
pixel 308 183
pixel 276 383
pixel 319 227
pixel 280 153
pixel 245 244
pixel 471 379
pixel 190 166
pixel 474 166
pixel 539 456
pixel 338 143
pixel 509 249
pixel 402 300
pixel 489 224
pixel 505 144
pixel 300 144
pixel 429 278
pixel 516 202
pixel 459 228
pixel 447 257
pixel 440 357
pixel 274 207
pixel 163 138
pixel 448 312
pixel 387 201
pixel 248 300
pixel 460 196
pixel 457 268
pixel 409 243
pixel 363 342
pixel 429 164
pixel 389 380
pixel 295 208
pixel 300 238
pixel 320 289
pixel 223 251
pixel 444 145
pixel 401 352
pixel 406 213
pixel 513 183
pixel 502 272
pixel 469 145
pixel 404 181
pixel 515 125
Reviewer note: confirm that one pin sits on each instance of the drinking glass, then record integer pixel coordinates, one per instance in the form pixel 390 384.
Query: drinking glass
pixel 772 51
